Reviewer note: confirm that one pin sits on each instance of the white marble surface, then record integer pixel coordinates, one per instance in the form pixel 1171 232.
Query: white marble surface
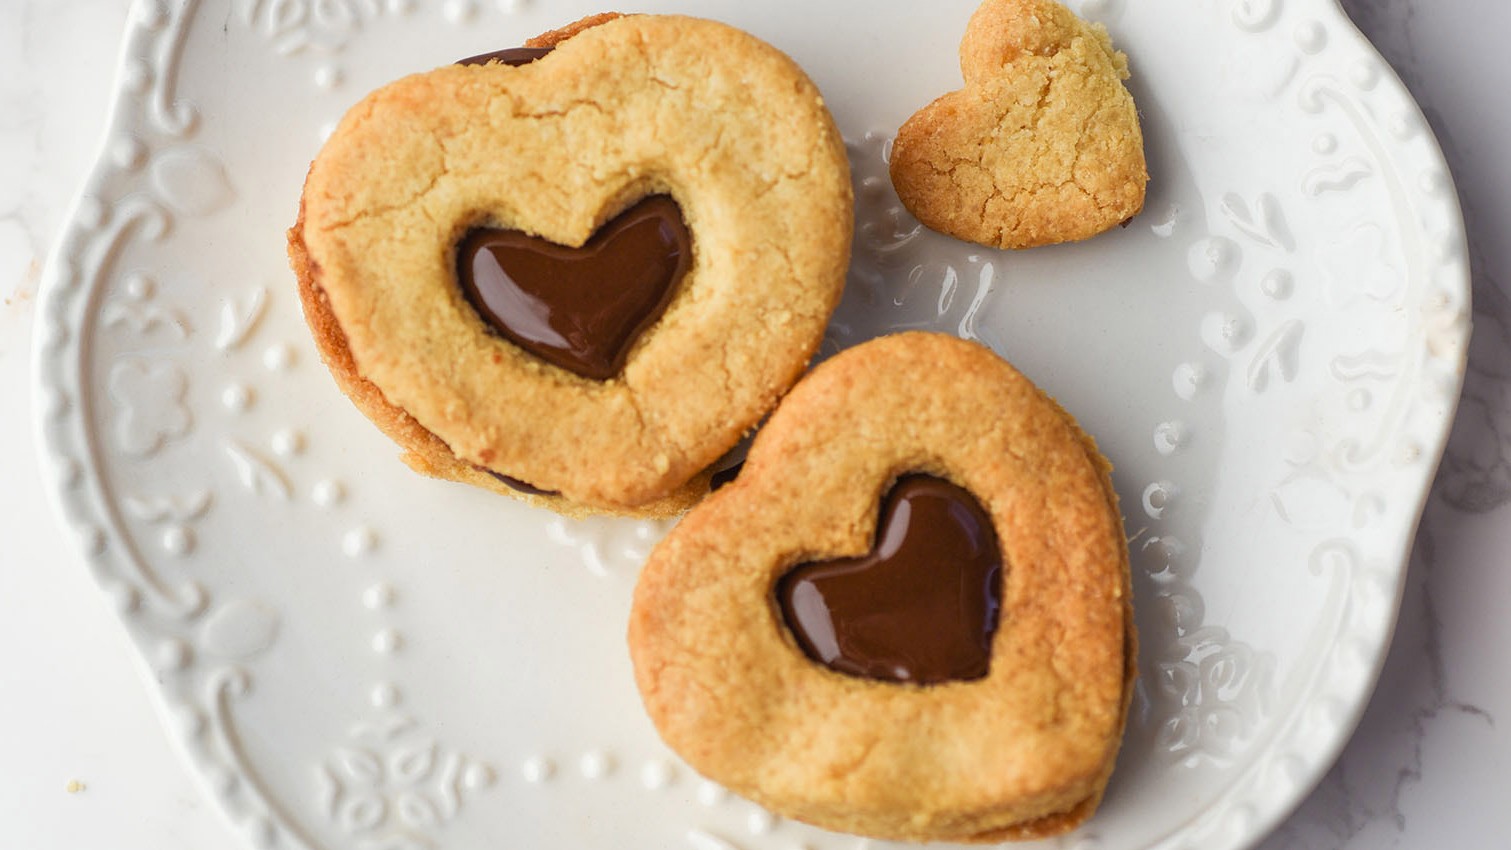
pixel 1429 767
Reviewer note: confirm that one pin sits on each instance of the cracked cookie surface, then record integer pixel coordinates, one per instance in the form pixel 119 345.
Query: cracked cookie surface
pixel 624 108
pixel 1041 146
pixel 1024 752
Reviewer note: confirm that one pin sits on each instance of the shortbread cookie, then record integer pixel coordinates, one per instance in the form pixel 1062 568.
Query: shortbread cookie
pixel 979 696
pixel 435 256
pixel 1041 146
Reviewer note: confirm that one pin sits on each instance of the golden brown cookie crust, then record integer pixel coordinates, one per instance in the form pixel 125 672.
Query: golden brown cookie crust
pixel 1043 143
pixel 554 37
pixel 632 106
pixel 1024 752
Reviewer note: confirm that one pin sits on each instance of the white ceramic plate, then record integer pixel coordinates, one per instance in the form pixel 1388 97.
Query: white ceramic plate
pixel 355 657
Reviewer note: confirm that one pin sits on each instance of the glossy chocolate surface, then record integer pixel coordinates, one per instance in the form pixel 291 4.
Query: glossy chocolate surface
pixel 921 607
pixel 522 486
pixel 508 56
pixel 579 308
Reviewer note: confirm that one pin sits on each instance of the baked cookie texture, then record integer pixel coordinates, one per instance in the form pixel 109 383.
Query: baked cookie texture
pixel 622 108
pixel 1041 146
pixel 1024 752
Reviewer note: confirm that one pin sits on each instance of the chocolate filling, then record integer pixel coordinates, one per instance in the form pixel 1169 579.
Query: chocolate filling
pixel 509 56
pixel 581 309
pixel 725 476
pixel 921 606
pixel 515 484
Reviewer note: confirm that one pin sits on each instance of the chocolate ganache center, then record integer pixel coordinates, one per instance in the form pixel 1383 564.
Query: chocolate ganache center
pixel 920 607
pixel 508 56
pixel 581 309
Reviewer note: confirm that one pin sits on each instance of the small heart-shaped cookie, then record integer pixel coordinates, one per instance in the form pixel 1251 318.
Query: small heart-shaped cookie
pixel 1041 146
pixel 533 382
pixel 783 642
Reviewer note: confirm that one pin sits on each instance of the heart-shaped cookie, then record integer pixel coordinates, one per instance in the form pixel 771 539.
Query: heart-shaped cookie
pixel 721 125
pixel 1042 145
pixel 1022 751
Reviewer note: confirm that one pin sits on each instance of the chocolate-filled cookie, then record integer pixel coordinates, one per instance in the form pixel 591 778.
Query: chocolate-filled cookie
pixel 910 615
pixel 579 275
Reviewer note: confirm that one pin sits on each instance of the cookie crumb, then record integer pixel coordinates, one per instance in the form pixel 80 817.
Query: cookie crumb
pixel 74 786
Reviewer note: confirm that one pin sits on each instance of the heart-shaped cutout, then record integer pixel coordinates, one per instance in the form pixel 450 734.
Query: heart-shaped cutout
pixel 1023 751
pixel 1042 145
pixel 920 607
pixel 579 308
